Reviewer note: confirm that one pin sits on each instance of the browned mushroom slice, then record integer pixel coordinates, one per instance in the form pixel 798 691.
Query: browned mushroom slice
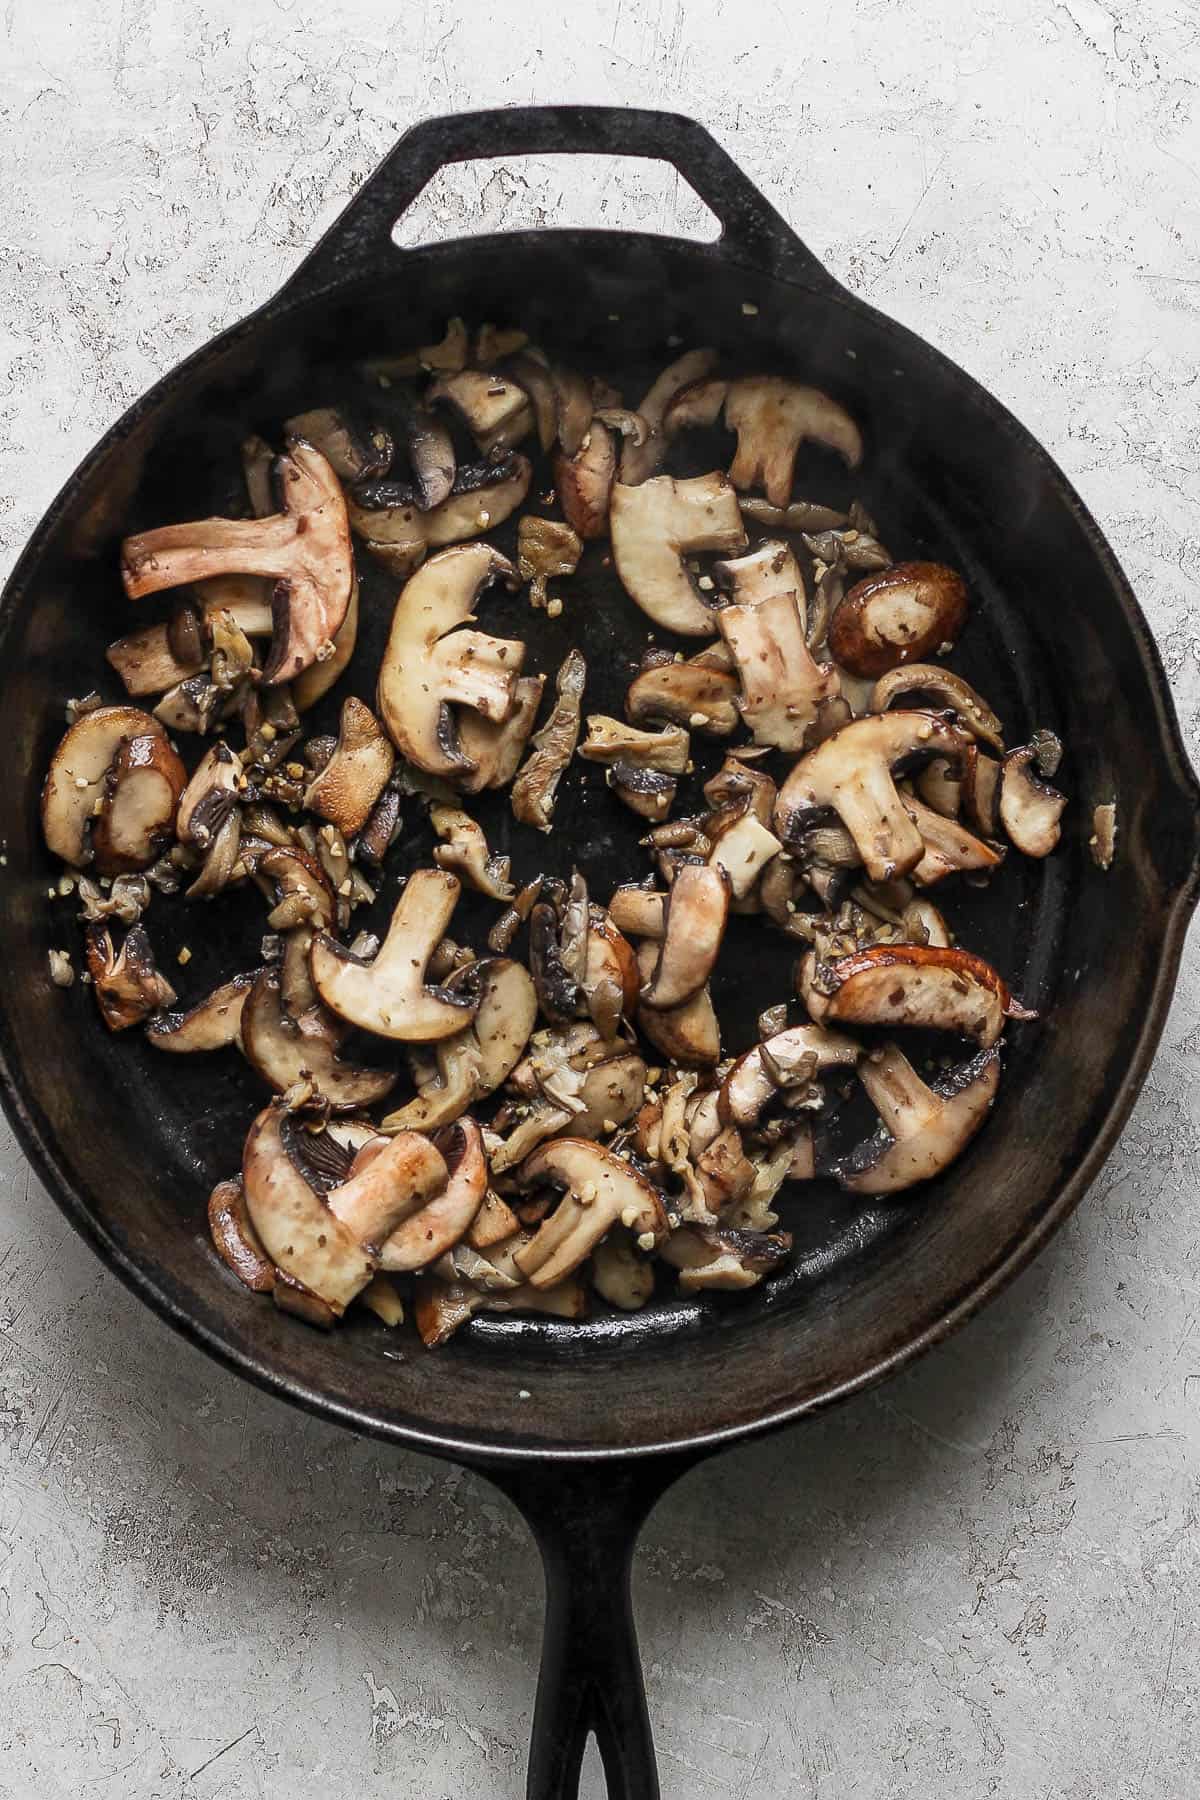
pixel 234 1238
pixel 147 663
pixel 137 815
pixel 296 884
pixel 496 749
pixel 722 1257
pixel 530 370
pixel 620 1274
pixel 75 788
pixel 800 515
pixel 127 986
pixel 388 995
pixel 387 516
pixel 930 681
pixel 445 1218
pixel 699 693
pixel 910 984
pixel 594 1098
pixel 923 1128
pixel 493 1224
pixel 743 847
pixel 611 740
pixel 440 1309
pixel 655 526
pixel 783 691
pixel 610 981
pixel 535 788
pixel 639 461
pixel 350 783
pixel 939 785
pixel 305 548
pixel 213 1024
pixel 695 406
pixel 473 1063
pixel 898 616
pixel 209 798
pixel 689 1035
pixel 772 418
pixel 788 1060
pixel 851 773
pixel 428 663
pixel 601 1190
pixel 491 407
pixel 638 912
pixel 283 1050
pixel 981 792
pixel 696 913
pixel 350 451
pixel 584 483
pixel 646 792
pixel 545 548
pixel 949 847
pixel 1030 808
pixel 466 850
pixel 738 784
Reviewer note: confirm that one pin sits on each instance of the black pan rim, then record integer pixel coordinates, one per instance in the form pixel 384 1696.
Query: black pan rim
pixel 921 1335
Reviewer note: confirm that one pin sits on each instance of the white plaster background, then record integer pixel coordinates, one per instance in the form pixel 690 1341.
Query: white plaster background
pixel 981 1580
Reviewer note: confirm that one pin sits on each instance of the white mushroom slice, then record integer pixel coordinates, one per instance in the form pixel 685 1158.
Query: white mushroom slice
pixel 473 1063
pixel 910 984
pixel 284 1050
pixel 330 1243
pixel 639 461
pixel 496 749
pixel 949 847
pixel 536 787
pixel 638 912
pixel 789 1059
pixel 940 785
pixel 466 850
pixel 901 614
pixel 444 1219
pixel 922 923
pixel 930 680
pixel 696 913
pixel 234 1238
pixel 127 986
pixel 923 1128
pixel 488 405
pixel 1030 809
pixel 699 404
pixel 602 1190
pixel 356 774
pixel 619 1274
pixel 494 1223
pixel 137 816
pixel 388 995
pixel 147 664
pixel 611 740
pixel 783 691
pixel 699 693
pixel 689 1035
pixel 981 792
pixel 75 784
pixel 743 851
pixel 610 980
pixel 654 526
pixel 305 548
pixel 722 1257
pixel 850 773
pixel 209 797
pixel 387 516
pixel 422 663
pixel 772 418
pixel 213 1024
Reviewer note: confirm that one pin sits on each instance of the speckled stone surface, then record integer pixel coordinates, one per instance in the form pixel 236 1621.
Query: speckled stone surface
pixel 981 1580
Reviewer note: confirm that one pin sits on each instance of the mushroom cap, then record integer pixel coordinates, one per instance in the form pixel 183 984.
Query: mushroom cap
pixel 1030 808
pixel 283 1050
pixel 886 1164
pixel 84 755
pixel 900 615
pixel 388 995
pixel 654 526
pixel 912 985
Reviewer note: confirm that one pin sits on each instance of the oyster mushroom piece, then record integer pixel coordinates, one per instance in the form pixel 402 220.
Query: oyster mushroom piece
pixel 931 682
pixel 910 984
pixel 789 1059
pixel 347 787
pixel 639 461
pixel 587 1102
pixel 1030 808
pixel 700 693
pixel 305 548
pixel 900 615
pixel 535 788
pixel 296 884
pixel 611 740
pixel 466 851
pixel 655 526
pixel 428 663
pixel 722 1257
pixel 283 1050
pixel 851 774
pixel 772 418
pixel 689 1035
pixel 923 1129
pixel 602 1190
pixel 234 1238
pixel 428 1233
pixel 697 909
pixel 545 548
pixel 388 995
pixel 473 1063
pixel 77 782
pixel 127 985
pixel 212 1024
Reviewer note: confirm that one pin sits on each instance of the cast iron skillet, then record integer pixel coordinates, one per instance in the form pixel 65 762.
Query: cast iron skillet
pixel 618 1408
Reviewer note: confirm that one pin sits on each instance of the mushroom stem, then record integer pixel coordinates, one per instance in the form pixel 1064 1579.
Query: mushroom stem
pixel 904 1102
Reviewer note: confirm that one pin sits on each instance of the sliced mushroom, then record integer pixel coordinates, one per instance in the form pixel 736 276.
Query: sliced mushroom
pixel 784 693
pixel 283 1050
pixel 800 515
pixel 928 680
pixel 736 785
pixel 689 1035
pixel 949 847
pixel 639 461
pixel 923 1128
pixel 610 980
pixel 75 789
pixel 127 986
pixel 388 517
pixel 147 663
pixel 473 1063
pixel 772 418
pixel 645 792
pixel 619 1274
pixel 545 548
pixel 557 976
pixel 491 407
pixel 446 1217
pixel 530 370
pixel 379 833
pixel 585 481
pixel 137 815
pixel 638 912
pixel 428 663
pixel 900 615
pixel 696 912
pixel 1103 842
pixel 313 683
pixel 611 740
pixel 536 787
pixel 388 995
pixel 350 452
pixel 743 848
pixel 910 984
pixel 695 406
pixel 349 784
pixel 213 1024
pixel 981 792
pixel 440 1309
pixel 296 884
pixel 496 749
pixel 788 1060
pixel 1030 808
pixel 654 526
pixel 305 548
pixel 851 773
pixel 493 1224
pixel 209 797
pixel 234 1238
pixel 601 1190
pixel 722 1257
pixel 699 693
pixel 940 785
pixel 466 850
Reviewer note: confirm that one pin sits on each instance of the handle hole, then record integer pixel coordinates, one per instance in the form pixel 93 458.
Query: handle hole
pixel 522 193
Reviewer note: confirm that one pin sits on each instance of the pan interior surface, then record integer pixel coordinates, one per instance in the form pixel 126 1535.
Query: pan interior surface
pixel 135 1141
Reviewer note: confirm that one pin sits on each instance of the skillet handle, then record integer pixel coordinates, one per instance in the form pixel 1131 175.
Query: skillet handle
pixel 359 242
pixel 586 1518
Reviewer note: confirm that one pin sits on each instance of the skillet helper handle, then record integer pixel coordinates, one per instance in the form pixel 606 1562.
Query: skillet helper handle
pixel 359 242
pixel 586 1519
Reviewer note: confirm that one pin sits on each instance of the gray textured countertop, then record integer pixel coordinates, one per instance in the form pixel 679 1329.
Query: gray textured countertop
pixel 980 1580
